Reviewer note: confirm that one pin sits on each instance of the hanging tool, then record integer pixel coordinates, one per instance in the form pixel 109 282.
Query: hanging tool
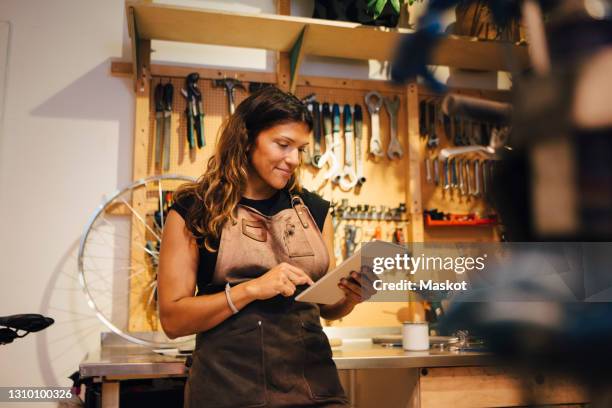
pixel 189 109
pixel 436 171
pixel 374 101
pixel 446 178
pixel 316 124
pixel 229 84
pixel 394 151
pixel 167 101
pixel 348 178
pixel 462 190
pixel 453 170
pixel 358 137
pixel 377 234
pixel 194 111
pixel 309 101
pixel 423 112
pixel 432 142
pixel 468 177
pixel 477 192
pixel 328 157
pixel 398 236
pixel 337 142
pixel 199 111
pixel 159 123
pixel 350 234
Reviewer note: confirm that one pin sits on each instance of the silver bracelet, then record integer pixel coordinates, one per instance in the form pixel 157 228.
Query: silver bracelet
pixel 229 298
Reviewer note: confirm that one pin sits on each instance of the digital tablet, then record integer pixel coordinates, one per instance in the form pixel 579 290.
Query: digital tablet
pixel 326 290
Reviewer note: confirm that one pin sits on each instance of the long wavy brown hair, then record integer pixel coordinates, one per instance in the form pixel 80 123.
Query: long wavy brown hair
pixel 217 192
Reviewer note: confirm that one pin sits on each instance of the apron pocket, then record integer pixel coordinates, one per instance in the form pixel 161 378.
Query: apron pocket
pixel 230 370
pixel 255 230
pixel 319 369
pixel 296 242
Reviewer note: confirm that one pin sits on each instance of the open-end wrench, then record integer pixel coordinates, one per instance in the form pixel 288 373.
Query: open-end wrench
pixel 316 124
pixel 428 173
pixel 485 178
pixel 436 171
pixel 350 234
pixel 462 191
pixel 477 192
pixel 348 178
pixel 394 151
pixel 358 137
pixel 328 157
pixel 432 142
pixel 453 170
pixel 337 142
pixel 374 101
pixel 446 179
pixel 468 177
pixel 309 101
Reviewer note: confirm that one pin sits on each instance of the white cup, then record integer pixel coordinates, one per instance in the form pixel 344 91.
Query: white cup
pixel 415 336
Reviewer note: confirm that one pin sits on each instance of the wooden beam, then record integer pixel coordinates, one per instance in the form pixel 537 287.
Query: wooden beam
pixel 283 65
pixel 414 201
pixel 123 69
pixel 353 84
pixel 137 308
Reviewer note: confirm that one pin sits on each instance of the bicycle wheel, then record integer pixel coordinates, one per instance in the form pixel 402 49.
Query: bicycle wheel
pixel 118 256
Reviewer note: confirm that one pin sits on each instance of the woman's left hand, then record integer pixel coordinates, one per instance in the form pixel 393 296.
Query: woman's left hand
pixel 358 287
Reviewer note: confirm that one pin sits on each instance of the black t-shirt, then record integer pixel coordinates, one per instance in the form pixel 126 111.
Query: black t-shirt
pixel 281 200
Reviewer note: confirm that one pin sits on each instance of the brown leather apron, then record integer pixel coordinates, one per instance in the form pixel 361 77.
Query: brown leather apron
pixel 272 353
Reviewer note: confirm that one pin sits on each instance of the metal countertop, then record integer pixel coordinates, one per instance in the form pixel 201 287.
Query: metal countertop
pixel 355 353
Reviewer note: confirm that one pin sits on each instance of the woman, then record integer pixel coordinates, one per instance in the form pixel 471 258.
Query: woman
pixel 251 238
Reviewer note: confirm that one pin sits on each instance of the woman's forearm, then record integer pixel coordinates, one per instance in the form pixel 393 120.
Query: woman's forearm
pixel 195 314
pixel 337 310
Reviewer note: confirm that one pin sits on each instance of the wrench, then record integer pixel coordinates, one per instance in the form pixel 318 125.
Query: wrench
pixel 374 109
pixel 336 138
pixel 461 179
pixel 485 179
pixel 394 151
pixel 316 123
pixel 436 171
pixel 348 178
pixel 468 177
pixel 477 192
pixel 328 157
pixel 453 169
pixel 310 101
pixel 445 169
pixel 428 174
pixel 432 142
pixel 358 136
pixel 350 233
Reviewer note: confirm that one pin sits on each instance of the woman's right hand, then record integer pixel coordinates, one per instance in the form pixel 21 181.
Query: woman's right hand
pixel 282 279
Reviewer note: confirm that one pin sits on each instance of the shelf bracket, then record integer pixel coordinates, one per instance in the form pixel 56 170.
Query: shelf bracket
pixel 295 58
pixel 141 53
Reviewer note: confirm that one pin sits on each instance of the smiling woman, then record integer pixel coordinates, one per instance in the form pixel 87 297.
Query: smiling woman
pixel 250 238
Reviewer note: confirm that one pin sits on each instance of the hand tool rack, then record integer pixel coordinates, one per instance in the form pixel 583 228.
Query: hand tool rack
pixel 388 182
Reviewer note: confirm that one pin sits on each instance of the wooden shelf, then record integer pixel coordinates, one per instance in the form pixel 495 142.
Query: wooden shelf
pixel 305 36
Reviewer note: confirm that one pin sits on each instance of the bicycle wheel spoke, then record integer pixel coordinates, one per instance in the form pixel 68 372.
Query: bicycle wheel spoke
pixel 140 219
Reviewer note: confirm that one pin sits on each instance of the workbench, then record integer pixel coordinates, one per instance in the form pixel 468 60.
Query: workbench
pixel 432 378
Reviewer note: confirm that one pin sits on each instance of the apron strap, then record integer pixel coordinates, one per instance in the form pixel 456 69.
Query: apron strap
pixel 299 209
